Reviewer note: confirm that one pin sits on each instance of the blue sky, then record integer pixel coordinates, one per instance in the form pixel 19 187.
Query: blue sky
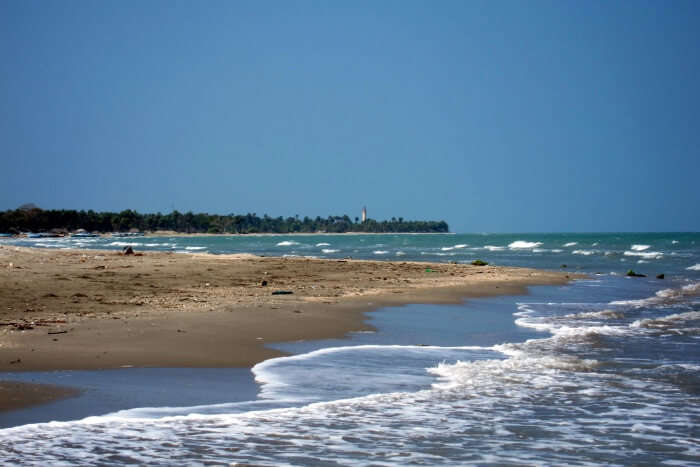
pixel 506 116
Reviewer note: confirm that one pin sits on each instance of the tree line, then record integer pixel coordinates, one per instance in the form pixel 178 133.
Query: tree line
pixel 39 220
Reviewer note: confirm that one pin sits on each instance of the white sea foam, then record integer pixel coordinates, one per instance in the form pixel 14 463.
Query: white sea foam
pixel 563 331
pixel 604 314
pixel 364 369
pixel 494 248
pixel 694 268
pixel 400 253
pixel 557 250
pixel 584 252
pixel 447 248
pixel 519 369
pixel 674 242
pixel 521 244
pixel 473 410
pixel 195 248
pixel 672 323
pixel 663 296
pixel 645 254
pixel 329 250
pixel 380 252
pixel 323 244
pixel 287 243
pixel 640 247
pixel 570 244
pixel 461 245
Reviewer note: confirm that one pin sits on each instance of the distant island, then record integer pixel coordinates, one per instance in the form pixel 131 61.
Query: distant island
pixel 30 218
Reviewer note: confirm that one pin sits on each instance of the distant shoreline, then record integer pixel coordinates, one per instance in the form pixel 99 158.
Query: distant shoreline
pixel 172 233
pixel 30 218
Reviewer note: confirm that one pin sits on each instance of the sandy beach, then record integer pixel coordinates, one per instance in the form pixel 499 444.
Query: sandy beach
pixel 96 309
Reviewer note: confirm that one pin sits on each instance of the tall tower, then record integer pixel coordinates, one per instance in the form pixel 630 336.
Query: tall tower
pixel 364 213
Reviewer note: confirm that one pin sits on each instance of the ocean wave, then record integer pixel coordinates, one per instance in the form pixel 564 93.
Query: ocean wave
pixel 561 330
pixel 400 253
pixel 476 411
pixel 570 244
pixel 195 248
pixel 645 254
pixel 584 252
pixel 665 296
pixel 455 247
pixel 380 252
pixel 694 268
pixel 604 314
pixel 494 248
pixel 363 366
pixel 323 244
pixel 522 244
pixel 538 372
pixel 640 247
pixel 329 250
pixel 678 323
pixel 287 243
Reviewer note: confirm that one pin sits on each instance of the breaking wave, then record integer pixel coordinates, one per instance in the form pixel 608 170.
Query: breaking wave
pixel 645 254
pixel 521 244
pixel 287 243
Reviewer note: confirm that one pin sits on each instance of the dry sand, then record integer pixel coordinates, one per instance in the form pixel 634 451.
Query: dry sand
pixel 91 309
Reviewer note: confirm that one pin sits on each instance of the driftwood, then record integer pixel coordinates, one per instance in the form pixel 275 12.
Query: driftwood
pixel 26 325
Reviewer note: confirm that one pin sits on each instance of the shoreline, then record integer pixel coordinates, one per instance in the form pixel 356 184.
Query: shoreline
pixel 173 233
pixel 95 309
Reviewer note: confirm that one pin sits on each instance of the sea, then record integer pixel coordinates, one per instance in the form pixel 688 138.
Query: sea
pixel 603 370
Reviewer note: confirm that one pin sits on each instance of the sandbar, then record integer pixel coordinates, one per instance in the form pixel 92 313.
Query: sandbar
pixel 99 309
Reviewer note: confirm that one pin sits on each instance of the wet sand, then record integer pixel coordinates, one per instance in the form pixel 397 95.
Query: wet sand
pixel 18 395
pixel 95 309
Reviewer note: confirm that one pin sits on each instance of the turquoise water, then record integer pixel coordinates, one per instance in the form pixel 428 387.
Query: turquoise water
pixel 605 370
pixel 586 251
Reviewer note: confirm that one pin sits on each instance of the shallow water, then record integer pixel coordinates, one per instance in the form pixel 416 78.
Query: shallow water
pixel 602 371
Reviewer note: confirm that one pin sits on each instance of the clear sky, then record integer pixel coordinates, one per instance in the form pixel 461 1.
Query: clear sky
pixel 496 116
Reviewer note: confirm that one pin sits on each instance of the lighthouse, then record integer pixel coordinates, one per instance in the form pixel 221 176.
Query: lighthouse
pixel 364 213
